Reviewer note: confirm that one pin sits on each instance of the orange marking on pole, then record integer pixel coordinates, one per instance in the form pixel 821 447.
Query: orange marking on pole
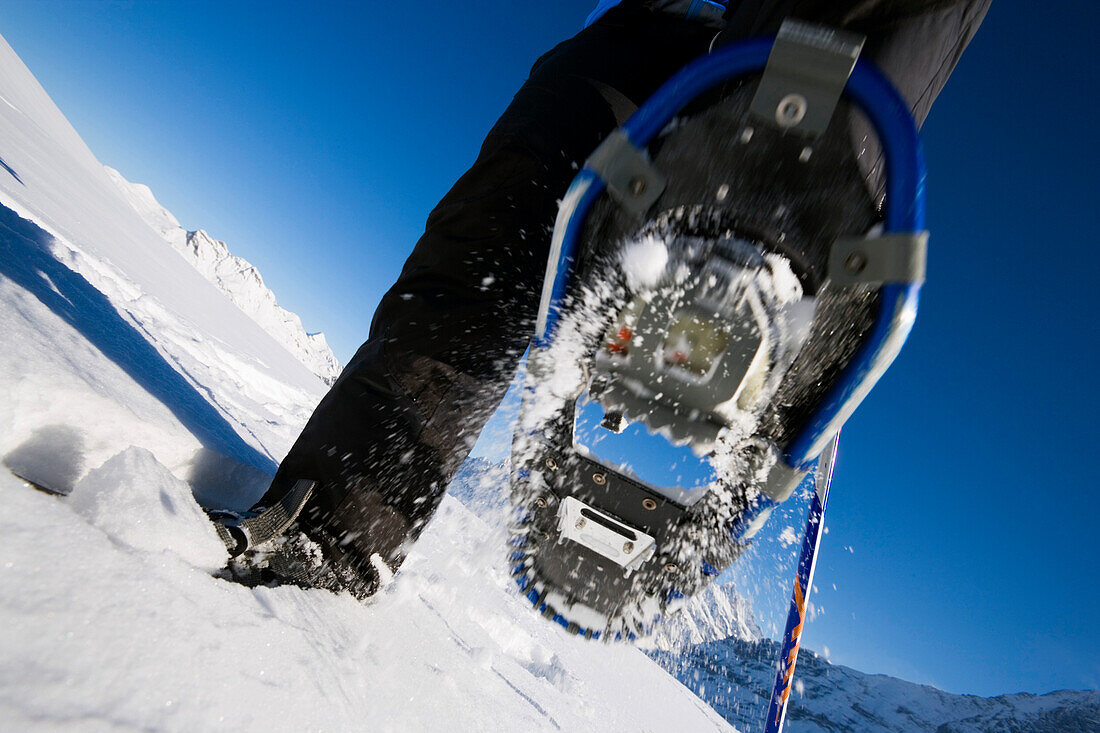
pixel 796 636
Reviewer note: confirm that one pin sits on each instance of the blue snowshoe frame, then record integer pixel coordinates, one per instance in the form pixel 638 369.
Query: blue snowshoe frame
pixel 890 117
pixel 904 214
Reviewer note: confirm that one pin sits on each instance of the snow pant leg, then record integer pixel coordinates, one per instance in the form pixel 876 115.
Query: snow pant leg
pixel 916 43
pixel 446 338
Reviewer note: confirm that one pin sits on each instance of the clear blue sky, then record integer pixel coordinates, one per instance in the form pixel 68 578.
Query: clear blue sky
pixel 315 137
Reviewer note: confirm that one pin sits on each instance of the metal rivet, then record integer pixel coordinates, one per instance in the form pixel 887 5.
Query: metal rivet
pixel 670 567
pixel 791 110
pixel 649 504
pixel 855 263
pixel 580 523
pixel 551 463
pixel 637 186
pixel 628 547
pixel 599 479
pixel 540 502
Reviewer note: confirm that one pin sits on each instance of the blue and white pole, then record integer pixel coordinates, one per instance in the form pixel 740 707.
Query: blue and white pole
pixel 800 598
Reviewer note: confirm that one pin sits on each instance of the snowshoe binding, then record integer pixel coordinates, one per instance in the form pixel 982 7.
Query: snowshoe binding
pixel 268 547
pixel 712 313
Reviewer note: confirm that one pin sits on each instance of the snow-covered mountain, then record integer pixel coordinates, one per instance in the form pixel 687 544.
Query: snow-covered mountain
pixel 132 385
pixel 736 677
pixel 235 277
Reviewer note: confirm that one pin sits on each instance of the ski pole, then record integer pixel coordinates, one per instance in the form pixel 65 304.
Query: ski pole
pixel 796 616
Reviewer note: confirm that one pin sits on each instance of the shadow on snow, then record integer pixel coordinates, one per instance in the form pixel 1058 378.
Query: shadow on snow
pixel 25 259
pixel 8 168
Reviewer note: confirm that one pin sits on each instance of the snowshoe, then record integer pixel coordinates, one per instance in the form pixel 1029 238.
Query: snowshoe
pixel 713 311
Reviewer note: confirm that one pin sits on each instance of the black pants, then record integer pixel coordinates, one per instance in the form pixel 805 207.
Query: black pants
pixel 446 338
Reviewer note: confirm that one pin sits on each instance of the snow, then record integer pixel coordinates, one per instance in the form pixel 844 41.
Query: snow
pixel 735 676
pixel 138 502
pixel 135 387
pixel 104 631
pixel 644 262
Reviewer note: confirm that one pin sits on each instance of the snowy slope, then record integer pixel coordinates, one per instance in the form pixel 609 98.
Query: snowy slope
pixel 235 277
pixel 130 382
pixel 119 337
pixel 108 629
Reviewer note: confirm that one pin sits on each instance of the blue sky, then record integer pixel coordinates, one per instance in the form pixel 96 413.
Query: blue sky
pixel 314 139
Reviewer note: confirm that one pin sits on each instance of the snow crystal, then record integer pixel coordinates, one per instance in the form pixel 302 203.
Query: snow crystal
pixel 784 283
pixel 788 536
pixel 644 262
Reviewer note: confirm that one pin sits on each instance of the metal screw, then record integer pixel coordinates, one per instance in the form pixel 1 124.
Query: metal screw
pixel 628 547
pixel 649 504
pixel 855 263
pixel 670 567
pixel 551 463
pixel 580 523
pixel 637 186
pixel 791 110
pixel 540 502
pixel 599 479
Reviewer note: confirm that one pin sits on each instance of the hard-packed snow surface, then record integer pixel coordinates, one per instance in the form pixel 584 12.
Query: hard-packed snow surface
pixel 131 382
pixel 104 630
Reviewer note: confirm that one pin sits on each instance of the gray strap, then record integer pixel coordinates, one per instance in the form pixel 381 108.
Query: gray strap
pixel 890 258
pixel 630 176
pixel 242 534
pixel 807 70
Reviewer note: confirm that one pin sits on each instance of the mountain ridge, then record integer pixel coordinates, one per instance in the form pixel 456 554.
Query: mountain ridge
pixel 735 677
pixel 235 276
